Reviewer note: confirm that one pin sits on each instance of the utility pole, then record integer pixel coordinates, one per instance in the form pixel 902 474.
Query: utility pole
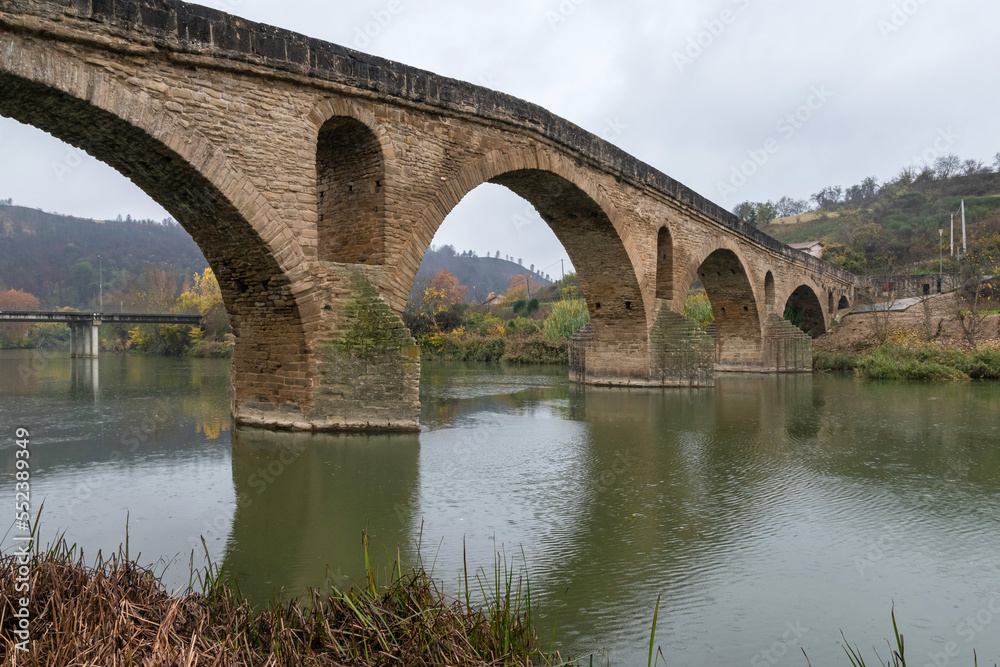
pixel 101 281
pixel 965 249
pixel 951 245
pixel 940 255
pixel 562 269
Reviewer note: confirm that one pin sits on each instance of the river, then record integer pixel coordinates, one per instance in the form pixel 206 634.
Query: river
pixel 767 513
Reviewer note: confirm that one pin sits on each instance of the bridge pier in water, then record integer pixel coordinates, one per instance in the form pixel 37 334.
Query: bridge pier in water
pixel 84 340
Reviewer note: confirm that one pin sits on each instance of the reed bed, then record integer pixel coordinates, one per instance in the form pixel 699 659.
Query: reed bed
pixel 114 612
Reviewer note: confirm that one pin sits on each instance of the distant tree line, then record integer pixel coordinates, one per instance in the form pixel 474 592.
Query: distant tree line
pixel 886 227
pixel 831 198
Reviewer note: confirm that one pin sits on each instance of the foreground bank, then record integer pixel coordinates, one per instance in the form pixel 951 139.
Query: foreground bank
pixel 116 612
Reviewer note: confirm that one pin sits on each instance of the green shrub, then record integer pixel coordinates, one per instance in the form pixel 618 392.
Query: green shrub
pixel 489 349
pixel 521 326
pixel 894 362
pixel 833 361
pixel 697 307
pixel 537 349
pixel 566 318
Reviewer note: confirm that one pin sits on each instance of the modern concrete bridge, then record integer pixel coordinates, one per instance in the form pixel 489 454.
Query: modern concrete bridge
pixel 83 327
pixel 314 177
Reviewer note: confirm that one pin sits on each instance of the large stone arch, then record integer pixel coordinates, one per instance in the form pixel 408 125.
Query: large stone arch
pixel 723 274
pixel 254 256
pixel 808 309
pixel 584 221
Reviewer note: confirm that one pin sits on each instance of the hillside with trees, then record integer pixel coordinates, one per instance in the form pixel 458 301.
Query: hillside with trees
pixel 482 275
pixel 891 227
pixel 58 258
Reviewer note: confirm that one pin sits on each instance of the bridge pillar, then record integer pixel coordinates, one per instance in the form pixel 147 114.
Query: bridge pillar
pixel 787 349
pixel 76 341
pixel 680 355
pixel 362 365
pixel 93 339
pixel 83 339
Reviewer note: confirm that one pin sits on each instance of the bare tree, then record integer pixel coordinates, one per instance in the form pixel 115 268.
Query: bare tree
pixel 973 167
pixel 881 299
pixel 947 166
pixel 977 276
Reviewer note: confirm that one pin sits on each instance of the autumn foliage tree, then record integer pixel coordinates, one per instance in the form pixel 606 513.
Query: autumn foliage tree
pixel 15 334
pixel 449 287
pixel 441 304
pixel 521 287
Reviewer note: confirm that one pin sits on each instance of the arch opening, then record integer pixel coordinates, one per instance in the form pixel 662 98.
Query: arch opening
pixel 616 333
pixel 737 322
pixel 603 266
pixel 664 264
pixel 247 271
pixel 350 173
pixel 844 304
pixel 769 289
pixel 803 309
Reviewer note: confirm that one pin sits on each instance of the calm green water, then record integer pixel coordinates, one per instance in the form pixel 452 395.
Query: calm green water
pixel 766 513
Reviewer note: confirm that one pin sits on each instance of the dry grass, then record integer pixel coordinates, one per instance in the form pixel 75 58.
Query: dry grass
pixel 116 613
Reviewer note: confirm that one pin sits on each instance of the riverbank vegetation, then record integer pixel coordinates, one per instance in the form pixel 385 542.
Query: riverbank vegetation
pixel 915 360
pixel 116 612
pixel 530 323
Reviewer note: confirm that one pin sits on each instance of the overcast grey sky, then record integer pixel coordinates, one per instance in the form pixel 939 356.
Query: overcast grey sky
pixel 738 99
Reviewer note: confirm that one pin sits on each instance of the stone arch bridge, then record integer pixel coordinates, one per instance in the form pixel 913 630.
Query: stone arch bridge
pixel 314 177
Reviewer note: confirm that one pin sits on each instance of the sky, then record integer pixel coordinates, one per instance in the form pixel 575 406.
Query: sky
pixel 737 99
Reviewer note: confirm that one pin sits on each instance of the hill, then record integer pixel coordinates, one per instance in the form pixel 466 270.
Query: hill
pixel 481 275
pixel 894 227
pixel 55 257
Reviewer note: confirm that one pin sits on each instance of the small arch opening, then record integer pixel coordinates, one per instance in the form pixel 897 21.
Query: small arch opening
pixel 664 264
pixel 349 195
